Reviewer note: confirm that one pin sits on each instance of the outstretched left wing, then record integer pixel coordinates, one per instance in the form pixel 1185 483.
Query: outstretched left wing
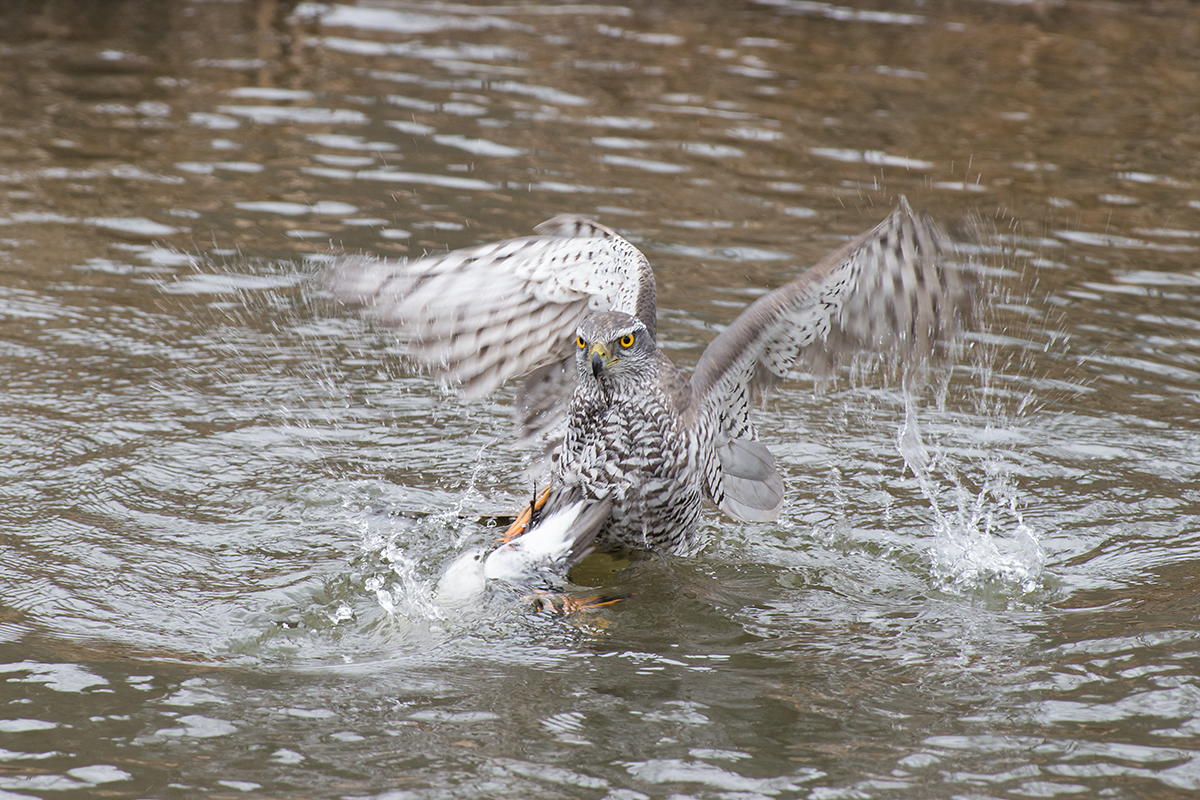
pixel 893 287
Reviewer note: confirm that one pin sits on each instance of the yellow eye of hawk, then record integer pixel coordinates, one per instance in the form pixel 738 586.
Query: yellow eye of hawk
pixel 579 341
pixel 627 340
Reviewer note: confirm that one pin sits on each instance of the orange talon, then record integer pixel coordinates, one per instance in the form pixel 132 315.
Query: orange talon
pixel 521 524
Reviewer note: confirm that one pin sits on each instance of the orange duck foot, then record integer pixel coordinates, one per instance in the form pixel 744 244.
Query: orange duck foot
pixel 521 524
pixel 565 604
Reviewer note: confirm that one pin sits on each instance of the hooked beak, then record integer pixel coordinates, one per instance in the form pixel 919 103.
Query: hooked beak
pixel 600 359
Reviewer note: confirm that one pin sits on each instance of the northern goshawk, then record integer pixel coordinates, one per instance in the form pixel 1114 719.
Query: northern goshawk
pixel 573 308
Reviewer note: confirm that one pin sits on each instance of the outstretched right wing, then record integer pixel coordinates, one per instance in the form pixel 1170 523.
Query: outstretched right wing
pixel 482 315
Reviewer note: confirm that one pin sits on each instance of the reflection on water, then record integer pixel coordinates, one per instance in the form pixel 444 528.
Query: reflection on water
pixel 225 504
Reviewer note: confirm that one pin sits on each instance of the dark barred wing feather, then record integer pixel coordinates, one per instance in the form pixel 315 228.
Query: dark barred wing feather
pixel 893 288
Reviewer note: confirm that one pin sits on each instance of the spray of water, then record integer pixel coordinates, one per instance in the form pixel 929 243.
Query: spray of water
pixel 983 546
pixel 981 540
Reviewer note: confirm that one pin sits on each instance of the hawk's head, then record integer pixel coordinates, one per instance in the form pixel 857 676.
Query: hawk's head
pixel 613 348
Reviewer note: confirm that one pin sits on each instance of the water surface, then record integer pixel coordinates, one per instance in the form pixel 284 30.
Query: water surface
pixel 226 502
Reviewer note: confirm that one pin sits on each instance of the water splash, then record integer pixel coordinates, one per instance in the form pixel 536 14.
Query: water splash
pixel 982 543
pixel 400 588
pixel 426 593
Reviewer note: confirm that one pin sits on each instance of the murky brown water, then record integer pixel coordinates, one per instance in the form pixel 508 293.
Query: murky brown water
pixel 224 503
